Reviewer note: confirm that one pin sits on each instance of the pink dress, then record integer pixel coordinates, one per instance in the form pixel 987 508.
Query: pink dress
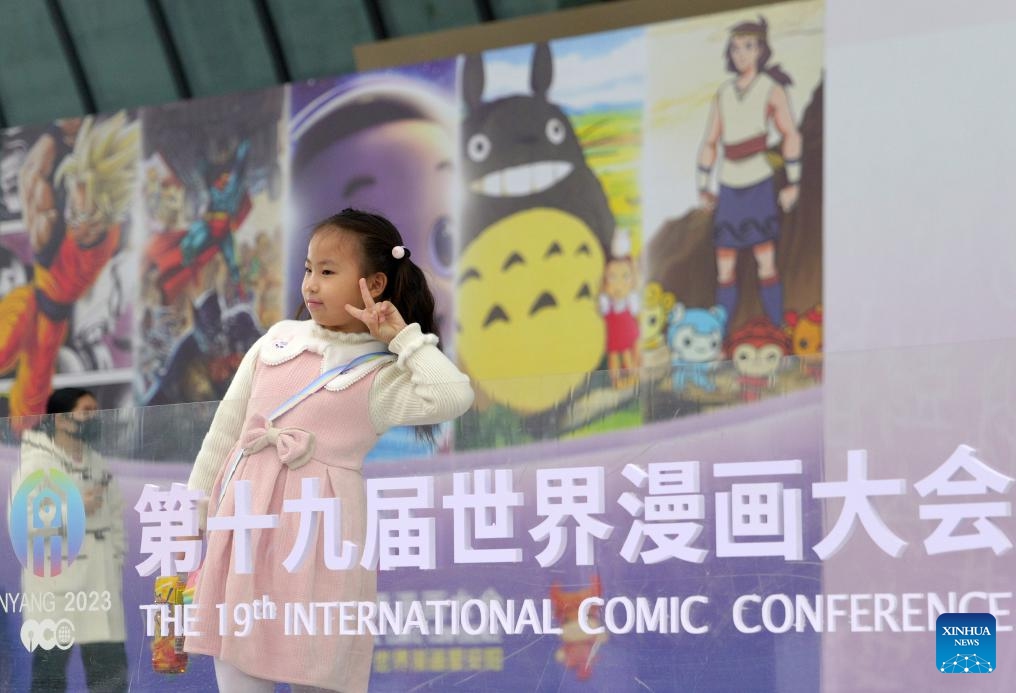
pixel 342 435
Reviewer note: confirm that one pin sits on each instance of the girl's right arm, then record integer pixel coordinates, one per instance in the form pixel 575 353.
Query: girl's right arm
pixel 226 425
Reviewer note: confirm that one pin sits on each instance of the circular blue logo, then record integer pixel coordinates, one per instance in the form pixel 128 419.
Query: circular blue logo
pixel 47 524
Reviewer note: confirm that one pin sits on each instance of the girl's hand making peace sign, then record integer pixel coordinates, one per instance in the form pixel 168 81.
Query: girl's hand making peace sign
pixel 383 320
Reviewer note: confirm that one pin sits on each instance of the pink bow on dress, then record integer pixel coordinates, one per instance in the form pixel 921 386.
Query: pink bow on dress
pixel 294 445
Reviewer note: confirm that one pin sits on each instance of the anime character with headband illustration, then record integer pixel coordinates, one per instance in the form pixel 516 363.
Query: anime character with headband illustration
pixel 746 209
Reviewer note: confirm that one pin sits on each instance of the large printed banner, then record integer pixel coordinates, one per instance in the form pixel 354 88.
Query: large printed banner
pixel 645 202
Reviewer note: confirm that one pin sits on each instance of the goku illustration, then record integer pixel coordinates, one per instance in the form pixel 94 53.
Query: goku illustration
pixel 76 189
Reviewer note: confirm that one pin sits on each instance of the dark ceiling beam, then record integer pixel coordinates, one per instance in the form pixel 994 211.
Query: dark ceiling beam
pixel 485 9
pixel 70 51
pixel 377 20
pixel 271 34
pixel 169 49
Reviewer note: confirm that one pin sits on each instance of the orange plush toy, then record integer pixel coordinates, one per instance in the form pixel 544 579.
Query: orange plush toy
pixel 805 330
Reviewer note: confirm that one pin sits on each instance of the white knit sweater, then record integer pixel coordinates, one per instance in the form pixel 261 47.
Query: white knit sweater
pixel 422 386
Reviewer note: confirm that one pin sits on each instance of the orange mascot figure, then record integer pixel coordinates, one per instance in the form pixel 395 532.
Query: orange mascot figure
pixel 805 331
pixel 578 646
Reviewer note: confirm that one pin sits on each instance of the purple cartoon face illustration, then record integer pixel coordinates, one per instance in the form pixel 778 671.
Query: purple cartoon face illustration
pixel 388 151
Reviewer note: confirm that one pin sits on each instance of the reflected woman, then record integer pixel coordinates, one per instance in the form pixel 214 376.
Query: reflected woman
pixel 87 592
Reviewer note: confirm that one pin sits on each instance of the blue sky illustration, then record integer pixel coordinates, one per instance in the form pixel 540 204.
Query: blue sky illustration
pixel 597 71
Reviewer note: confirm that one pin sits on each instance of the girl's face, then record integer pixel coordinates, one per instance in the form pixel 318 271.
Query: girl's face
pixel 745 52
pixel 331 278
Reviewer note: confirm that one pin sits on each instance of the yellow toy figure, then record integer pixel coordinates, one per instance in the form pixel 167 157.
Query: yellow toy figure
pixel 656 305
pixel 619 305
pixel 76 189
pixel 578 649
pixel 805 331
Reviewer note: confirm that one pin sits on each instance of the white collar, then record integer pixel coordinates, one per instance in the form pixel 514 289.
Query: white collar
pixel 288 339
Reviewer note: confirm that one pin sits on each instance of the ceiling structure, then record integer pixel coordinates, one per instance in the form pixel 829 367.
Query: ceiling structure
pixel 62 58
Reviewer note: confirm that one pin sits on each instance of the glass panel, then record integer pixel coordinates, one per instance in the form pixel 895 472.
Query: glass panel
pixel 780 541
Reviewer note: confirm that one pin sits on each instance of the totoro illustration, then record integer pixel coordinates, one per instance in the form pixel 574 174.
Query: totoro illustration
pixel 535 227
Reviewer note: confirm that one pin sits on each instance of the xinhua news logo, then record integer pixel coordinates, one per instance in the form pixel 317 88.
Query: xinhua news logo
pixel 47 522
pixel 965 643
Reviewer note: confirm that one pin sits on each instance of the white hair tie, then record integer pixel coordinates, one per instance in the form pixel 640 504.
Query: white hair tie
pixel 399 252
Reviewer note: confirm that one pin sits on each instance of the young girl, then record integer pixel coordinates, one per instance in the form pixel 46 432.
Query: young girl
pixel 357 369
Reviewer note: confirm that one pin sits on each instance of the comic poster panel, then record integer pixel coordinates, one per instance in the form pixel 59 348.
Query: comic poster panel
pixel 732 182
pixel 382 143
pixel 66 245
pixel 548 281
pixel 211 275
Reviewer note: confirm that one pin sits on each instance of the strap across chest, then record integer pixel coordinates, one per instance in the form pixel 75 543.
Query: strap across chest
pixel 293 445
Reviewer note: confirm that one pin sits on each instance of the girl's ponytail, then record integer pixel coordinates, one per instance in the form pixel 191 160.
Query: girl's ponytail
pixel 409 291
